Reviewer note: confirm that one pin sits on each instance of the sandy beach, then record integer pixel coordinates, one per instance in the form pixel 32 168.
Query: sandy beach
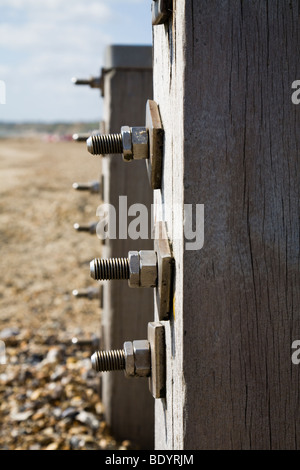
pixel 48 392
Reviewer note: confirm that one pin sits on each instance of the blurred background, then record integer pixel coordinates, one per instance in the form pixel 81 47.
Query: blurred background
pixel 49 395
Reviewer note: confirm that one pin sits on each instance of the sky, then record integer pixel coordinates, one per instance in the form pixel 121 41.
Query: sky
pixel 44 43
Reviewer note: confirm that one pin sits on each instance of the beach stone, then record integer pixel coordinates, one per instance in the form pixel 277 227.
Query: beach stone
pixel 88 419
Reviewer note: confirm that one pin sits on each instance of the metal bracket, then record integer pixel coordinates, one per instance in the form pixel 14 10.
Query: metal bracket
pixel 165 262
pixel 156 135
pixel 161 11
pixel 157 379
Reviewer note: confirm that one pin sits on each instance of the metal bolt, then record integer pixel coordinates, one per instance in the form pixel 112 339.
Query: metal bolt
pixel 91 228
pixel 93 343
pixel 140 268
pixel 105 144
pixel 133 143
pixel 90 293
pixel 82 137
pixel 103 361
pixel 108 269
pixel 92 186
pixel 93 82
pixel 134 359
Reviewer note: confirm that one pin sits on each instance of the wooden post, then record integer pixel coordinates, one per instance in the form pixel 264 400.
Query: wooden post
pixel 129 406
pixel 223 72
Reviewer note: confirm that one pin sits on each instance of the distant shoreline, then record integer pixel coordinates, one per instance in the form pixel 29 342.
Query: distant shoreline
pixel 32 129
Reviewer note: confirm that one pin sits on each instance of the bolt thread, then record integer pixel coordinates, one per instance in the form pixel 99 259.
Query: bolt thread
pixel 81 81
pixel 108 269
pixel 103 361
pixel 89 293
pixel 92 186
pixel 105 144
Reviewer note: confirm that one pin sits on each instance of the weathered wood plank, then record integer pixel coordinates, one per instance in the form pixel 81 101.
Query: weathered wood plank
pixel 238 154
pixel 129 406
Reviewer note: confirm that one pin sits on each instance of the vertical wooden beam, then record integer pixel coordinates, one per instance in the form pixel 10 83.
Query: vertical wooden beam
pixel 223 72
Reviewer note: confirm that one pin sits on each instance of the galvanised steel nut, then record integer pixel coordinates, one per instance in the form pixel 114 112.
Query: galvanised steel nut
pixel 126 143
pixel 142 358
pixel 148 268
pixel 129 359
pixel 142 268
pixel 140 145
pixel 134 269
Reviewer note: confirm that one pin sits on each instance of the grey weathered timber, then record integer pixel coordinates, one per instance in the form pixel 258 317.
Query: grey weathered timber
pixel 124 56
pixel 129 406
pixel 223 72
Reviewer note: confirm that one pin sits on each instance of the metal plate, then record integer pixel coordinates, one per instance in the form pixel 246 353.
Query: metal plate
pixel 157 379
pixel 156 137
pixel 165 261
pixel 161 11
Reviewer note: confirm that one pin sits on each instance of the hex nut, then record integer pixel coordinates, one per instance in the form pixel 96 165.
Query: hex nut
pixel 134 269
pixel 140 143
pixel 148 268
pixel 126 143
pixel 129 359
pixel 142 358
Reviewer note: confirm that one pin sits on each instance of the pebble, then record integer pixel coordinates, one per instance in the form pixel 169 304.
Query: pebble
pixel 35 358
pixel 55 355
pixel 49 398
pixel 75 443
pixel 24 375
pixel 69 413
pixel 88 419
pixel 56 391
pixel 22 416
pixel 57 412
pixel 34 447
pixel 36 394
pixel 9 332
pixel 58 373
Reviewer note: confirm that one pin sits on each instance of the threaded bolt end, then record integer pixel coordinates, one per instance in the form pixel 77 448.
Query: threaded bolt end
pixel 103 361
pixel 105 144
pixel 108 269
pixel 80 137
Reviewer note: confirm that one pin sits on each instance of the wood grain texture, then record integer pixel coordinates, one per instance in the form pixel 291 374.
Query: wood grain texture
pixel 129 405
pixel 241 292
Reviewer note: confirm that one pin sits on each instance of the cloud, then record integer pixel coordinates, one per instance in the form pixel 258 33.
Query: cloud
pixel 53 24
pixel 44 38
pixel 45 43
pixel 48 27
pixel 60 8
pixel 4 70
